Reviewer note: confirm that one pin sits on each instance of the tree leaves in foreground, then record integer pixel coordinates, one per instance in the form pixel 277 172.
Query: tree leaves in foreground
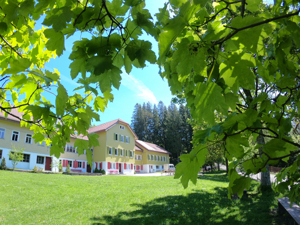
pixel 228 58
pixel 242 64
pixel 113 43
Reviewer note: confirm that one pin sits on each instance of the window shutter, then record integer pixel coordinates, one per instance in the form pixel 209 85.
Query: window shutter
pixel 64 163
pixel 113 151
pixel 128 139
pixel 101 165
pixel 141 167
pixel 124 166
pixel 117 166
pixel 107 150
pixel 108 165
pixel 114 136
pixel 132 166
pixel 83 165
pixel 74 164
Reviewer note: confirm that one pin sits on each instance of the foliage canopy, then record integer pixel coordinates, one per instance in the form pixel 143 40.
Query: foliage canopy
pixel 238 60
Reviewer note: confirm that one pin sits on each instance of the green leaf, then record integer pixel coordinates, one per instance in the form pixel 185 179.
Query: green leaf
pixel 56 150
pixel 81 145
pixel 3 27
pixel 17 66
pixel 58 18
pixel 234 145
pixel 61 100
pixel 174 28
pixel 77 66
pixel 208 99
pixel 140 50
pixel 56 41
pixel 189 57
pixel 38 137
pixel 93 140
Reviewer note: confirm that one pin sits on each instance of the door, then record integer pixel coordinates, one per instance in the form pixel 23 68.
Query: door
pixel 48 163
pixel 120 167
pixel 88 168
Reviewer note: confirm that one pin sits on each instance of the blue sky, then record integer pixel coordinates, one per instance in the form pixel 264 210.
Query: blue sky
pixel 141 85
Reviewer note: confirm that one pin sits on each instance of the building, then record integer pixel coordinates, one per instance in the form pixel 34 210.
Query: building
pixel 120 151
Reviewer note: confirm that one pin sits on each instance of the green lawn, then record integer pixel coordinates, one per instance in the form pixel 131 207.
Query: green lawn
pixel 27 198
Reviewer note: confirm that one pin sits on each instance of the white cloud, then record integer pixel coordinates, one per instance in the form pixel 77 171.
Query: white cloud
pixel 138 87
pixel 68 80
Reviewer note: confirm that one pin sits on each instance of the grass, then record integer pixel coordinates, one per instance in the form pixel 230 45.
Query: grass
pixel 28 198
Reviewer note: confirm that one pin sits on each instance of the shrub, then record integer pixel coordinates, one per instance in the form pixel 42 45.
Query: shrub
pixel 40 170
pixel 60 168
pixel 102 171
pixel 97 170
pixel 16 155
pixel 3 164
pixel 35 169
pixel 68 169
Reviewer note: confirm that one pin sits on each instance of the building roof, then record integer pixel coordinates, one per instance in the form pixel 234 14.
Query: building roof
pixel 108 125
pixel 151 147
pixel 137 148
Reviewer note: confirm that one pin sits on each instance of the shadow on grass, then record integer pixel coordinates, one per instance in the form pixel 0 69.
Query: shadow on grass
pixel 199 207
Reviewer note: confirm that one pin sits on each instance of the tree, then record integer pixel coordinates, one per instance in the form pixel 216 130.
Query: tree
pixel 3 164
pixel 227 57
pixel 16 155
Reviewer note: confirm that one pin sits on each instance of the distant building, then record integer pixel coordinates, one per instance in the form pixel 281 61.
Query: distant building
pixel 120 151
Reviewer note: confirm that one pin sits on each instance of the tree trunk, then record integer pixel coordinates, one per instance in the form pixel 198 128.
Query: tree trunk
pixel 218 166
pixel 265 180
pixel 226 166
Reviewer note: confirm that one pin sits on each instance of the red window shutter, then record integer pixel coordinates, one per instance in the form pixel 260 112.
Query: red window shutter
pixel 137 167
pixel 108 165
pixel 64 163
pixel 132 166
pixel 141 167
pixel 124 166
pixel 83 165
pixel 101 165
pixel 75 164
pixel 96 165
pixel 117 166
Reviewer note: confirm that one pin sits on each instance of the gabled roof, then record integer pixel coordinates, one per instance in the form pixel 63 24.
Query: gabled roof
pixel 106 126
pixel 151 147
pixel 137 148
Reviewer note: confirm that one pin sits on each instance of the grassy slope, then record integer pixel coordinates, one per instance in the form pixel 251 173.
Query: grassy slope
pixel 28 198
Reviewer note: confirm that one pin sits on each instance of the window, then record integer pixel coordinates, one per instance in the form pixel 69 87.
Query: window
pixel 126 153
pixel 121 152
pixel 127 139
pixel 109 151
pixel 70 163
pixel 15 136
pixel 113 166
pixel 116 151
pixel 1 153
pixel 157 167
pixel 2 132
pixel 131 154
pixel 149 157
pixel 41 143
pixel 122 127
pixel 152 157
pixel 122 138
pixel 116 137
pixel 70 148
pixel 129 166
pixel 40 160
pixel 156 158
pixel 79 164
pixel 28 139
pixel 138 157
pixel 26 158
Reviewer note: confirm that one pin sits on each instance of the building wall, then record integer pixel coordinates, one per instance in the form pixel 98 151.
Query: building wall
pixel 139 162
pixel 73 155
pixel 110 142
pixel 7 143
pixel 99 151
